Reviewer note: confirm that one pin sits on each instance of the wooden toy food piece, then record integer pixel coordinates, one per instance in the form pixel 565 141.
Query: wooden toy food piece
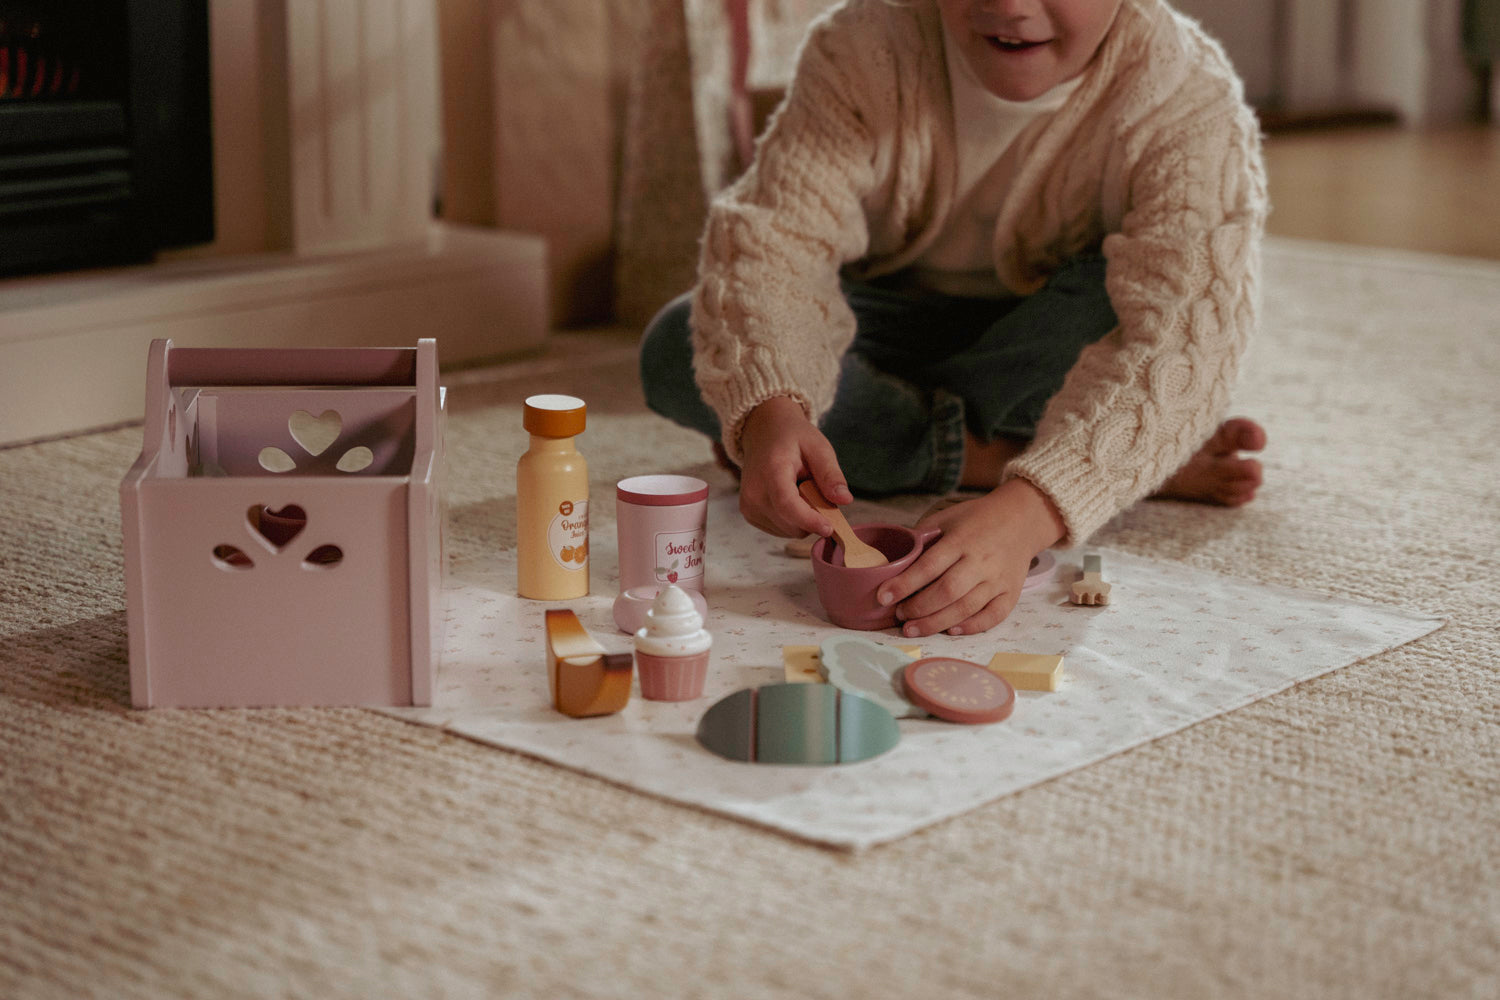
pixel 671 648
pixel 858 554
pixel 958 690
pixel 803 664
pixel 865 729
pixel 1028 671
pixel 584 679
pixel 1040 570
pixel 800 664
pixel 1091 589
pixel 869 669
pixel 797 724
pixel 800 548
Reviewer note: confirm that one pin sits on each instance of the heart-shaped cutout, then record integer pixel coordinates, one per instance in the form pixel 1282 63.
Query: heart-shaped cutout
pixel 315 434
pixel 277 527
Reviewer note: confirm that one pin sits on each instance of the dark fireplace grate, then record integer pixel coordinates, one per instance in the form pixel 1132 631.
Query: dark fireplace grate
pixel 41 183
pixel 104 131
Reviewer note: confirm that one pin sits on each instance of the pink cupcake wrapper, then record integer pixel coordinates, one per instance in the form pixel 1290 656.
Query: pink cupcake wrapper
pixel 672 678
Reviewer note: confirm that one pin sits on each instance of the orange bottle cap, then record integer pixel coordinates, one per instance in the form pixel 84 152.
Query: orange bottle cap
pixel 554 416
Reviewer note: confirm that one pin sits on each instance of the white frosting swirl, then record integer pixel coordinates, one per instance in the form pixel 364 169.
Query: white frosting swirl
pixel 673 626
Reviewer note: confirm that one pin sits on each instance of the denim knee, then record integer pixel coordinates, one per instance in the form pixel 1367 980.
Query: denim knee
pixel 1010 372
pixel 892 436
pixel 666 363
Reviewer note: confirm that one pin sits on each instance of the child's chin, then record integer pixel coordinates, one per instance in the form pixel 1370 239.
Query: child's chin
pixel 1019 90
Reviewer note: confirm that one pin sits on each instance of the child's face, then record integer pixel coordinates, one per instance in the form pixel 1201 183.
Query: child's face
pixel 1020 49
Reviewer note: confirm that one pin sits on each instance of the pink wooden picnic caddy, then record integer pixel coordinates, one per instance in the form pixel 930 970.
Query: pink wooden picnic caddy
pixel 283 527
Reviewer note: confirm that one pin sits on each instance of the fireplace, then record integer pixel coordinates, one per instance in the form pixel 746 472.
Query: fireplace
pixel 105 154
pixel 325 136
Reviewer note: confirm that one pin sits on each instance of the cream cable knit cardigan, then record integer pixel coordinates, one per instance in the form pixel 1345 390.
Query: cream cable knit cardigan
pixel 1155 155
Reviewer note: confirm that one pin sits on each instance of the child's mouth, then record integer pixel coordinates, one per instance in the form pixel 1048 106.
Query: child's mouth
pixel 1005 44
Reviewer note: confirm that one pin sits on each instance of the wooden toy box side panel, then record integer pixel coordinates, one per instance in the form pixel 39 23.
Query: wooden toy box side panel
pixel 427 553
pixel 232 427
pixel 281 631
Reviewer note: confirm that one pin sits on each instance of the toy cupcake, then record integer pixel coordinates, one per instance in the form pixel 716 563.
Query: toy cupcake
pixel 671 649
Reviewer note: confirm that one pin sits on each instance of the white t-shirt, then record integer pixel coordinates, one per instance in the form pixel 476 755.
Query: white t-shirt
pixel 961 260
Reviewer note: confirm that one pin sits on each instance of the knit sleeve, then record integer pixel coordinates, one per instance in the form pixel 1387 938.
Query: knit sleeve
pixel 1183 277
pixel 768 315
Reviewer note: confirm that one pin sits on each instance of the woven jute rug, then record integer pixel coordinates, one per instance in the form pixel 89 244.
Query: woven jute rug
pixel 1335 839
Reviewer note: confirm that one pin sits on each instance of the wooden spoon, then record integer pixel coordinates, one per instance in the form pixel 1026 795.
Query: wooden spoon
pixel 858 554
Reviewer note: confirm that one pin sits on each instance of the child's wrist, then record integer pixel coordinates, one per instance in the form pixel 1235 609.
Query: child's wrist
pixel 1041 524
pixel 775 410
pixel 767 413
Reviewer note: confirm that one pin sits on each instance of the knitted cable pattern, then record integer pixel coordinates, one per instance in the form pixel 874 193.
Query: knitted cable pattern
pixel 1155 157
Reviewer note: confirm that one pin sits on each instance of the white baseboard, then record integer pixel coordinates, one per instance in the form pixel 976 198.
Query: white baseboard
pixel 73 346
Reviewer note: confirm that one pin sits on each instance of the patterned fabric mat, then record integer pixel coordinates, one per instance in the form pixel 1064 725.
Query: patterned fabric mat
pixel 1176 646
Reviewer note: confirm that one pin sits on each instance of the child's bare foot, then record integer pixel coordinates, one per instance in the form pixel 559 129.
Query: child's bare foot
pixel 1218 473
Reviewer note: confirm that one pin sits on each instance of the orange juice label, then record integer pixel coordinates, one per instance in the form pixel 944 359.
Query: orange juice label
pixel 568 535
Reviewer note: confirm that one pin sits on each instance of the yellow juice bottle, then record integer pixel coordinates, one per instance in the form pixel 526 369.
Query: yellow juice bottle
pixel 552 502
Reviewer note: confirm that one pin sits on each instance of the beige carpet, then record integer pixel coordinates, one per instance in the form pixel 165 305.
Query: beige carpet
pixel 1338 839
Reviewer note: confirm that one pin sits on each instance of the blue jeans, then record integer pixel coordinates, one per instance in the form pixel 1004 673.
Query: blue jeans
pixel 923 367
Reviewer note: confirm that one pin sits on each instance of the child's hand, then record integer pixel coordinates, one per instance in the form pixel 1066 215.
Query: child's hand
pixel 970 579
pixel 780 448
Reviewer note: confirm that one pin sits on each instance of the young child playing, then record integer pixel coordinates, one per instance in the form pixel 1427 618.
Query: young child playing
pixel 1010 245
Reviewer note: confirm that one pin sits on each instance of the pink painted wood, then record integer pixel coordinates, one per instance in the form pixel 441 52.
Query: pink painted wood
pixel 312 586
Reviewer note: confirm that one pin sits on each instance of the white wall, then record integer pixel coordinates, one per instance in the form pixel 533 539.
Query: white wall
pixel 325 124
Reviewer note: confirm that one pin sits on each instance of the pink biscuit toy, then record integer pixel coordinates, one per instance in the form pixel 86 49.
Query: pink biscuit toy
pixel 671 648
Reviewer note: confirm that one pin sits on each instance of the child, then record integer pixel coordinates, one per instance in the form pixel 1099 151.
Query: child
pixel 1005 244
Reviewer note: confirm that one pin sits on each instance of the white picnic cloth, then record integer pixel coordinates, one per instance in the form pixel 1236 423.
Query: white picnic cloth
pixel 1175 646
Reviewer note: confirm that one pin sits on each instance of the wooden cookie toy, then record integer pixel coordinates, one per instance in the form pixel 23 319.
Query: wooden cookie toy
pixel 958 690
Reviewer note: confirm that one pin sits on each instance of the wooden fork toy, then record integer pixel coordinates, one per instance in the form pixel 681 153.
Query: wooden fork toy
pixel 1091 589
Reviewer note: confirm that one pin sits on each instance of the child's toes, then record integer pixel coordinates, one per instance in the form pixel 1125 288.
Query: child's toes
pixel 1239 434
pixel 1238 479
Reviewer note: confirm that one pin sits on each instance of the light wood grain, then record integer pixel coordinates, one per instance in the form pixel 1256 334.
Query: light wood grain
pixel 858 554
pixel 1430 190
